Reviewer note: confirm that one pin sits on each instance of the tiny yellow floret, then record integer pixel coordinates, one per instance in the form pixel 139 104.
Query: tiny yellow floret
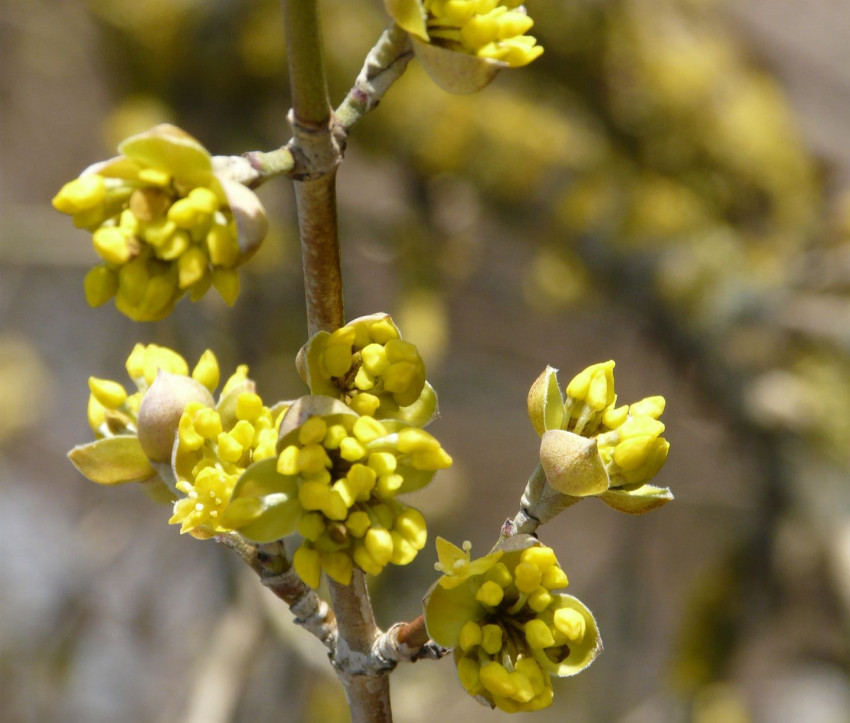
pixel 110 394
pixel 538 634
pixel 490 594
pixel 491 639
pixel 570 623
pixel 527 576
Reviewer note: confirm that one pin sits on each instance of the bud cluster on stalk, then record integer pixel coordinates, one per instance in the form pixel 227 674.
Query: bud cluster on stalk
pixel 591 447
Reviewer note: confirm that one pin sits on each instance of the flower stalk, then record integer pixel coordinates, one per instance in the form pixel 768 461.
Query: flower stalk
pixel 384 64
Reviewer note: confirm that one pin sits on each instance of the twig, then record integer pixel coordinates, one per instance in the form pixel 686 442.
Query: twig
pixel 314 147
pixel 384 64
pixel 310 611
pixel 406 643
pixel 367 686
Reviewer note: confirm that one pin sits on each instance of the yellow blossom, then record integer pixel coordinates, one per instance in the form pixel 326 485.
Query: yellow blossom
pixel 334 479
pixel 135 431
pixel 215 445
pixel 592 447
pixel 488 29
pixel 455 563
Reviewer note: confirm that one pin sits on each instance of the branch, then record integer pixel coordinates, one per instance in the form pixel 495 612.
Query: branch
pixel 269 562
pixel 539 504
pixel 254 168
pixel 317 153
pixel 384 64
pixel 406 643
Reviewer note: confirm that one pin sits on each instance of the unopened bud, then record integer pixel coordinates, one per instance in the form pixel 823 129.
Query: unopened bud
pixel 161 409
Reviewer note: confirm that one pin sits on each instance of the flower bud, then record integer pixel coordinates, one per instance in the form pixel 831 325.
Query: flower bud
pixel 589 393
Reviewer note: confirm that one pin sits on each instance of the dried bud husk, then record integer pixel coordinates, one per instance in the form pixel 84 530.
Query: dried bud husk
pixel 545 402
pixel 572 464
pixel 252 222
pixel 161 409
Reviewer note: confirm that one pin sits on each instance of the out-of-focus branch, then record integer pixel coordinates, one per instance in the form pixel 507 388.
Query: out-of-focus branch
pixel 221 675
pixel 270 563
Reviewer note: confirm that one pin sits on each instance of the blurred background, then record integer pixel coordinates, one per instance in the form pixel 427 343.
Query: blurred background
pixel 664 187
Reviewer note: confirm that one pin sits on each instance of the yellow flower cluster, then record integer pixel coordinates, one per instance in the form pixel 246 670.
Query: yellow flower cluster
pixel 135 433
pixel 371 368
pixel 334 481
pixel 590 446
pixel 486 28
pixel 162 223
pixel 215 445
pixel 111 411
pixel 509 629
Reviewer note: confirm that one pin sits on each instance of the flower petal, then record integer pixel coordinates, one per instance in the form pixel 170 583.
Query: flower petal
pixel 168 147
pixel 448 610
pixel 572 464
pixel 545 402
pixel 252 223
pixel 581 652
pixel 409 16
pixel 637 501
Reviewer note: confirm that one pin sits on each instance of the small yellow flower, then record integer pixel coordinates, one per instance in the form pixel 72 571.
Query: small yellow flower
pixel 509 629
pixel 486 28
pixel 162 223
pixel 215 445
pixel 455 563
